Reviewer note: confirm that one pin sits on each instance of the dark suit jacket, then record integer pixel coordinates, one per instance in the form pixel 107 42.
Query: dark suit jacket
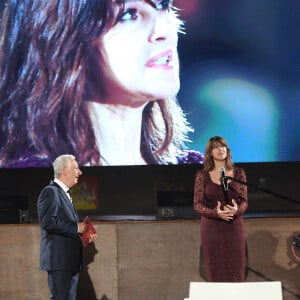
pixel 61 247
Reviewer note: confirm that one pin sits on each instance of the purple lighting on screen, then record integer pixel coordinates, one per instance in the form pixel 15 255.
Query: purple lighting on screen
pixel 188 8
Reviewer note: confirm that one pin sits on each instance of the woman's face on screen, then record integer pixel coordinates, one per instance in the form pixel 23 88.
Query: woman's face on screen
pixel 139 53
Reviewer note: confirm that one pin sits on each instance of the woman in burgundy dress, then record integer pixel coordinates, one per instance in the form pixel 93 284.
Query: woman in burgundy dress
pixel 221 203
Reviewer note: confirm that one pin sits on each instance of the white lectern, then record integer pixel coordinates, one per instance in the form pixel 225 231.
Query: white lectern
pixel 235 290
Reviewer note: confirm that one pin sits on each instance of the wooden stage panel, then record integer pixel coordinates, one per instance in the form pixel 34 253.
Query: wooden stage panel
pixel 146 259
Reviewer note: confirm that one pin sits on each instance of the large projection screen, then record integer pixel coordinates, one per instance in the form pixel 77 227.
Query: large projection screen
pixel 238 77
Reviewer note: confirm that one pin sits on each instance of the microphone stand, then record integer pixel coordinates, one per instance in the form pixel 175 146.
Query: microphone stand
pixel 259 188
pixel 225 189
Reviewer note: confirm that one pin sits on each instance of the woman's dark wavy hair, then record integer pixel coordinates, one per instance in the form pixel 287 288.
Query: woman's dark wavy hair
pixel 209 163
pixel 45 70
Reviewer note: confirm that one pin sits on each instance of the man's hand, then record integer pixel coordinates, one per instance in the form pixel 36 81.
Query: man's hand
pixel 92 237
pixel 81 227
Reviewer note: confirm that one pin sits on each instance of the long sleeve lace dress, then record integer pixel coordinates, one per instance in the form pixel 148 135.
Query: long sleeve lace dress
pixel 223 242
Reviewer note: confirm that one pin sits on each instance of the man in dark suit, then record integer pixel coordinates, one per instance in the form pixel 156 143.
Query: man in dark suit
pixel 61 247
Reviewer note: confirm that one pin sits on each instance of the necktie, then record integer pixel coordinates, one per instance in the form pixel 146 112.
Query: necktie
pixel 69 194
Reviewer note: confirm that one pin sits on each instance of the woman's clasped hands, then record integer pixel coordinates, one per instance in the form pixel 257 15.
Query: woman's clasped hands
pixel 228 212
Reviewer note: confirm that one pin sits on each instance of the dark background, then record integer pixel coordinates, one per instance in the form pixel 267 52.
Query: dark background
pixel 152 192
pixel 240 75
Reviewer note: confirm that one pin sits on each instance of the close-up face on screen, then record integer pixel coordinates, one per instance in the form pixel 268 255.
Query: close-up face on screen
pixel 121 83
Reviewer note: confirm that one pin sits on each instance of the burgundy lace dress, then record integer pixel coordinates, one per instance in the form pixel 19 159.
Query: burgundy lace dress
pixel 223 242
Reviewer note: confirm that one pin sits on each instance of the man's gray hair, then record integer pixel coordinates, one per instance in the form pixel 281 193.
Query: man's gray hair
pixel 60 162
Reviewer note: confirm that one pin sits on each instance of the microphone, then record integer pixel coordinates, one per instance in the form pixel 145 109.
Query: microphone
pixel 223 178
